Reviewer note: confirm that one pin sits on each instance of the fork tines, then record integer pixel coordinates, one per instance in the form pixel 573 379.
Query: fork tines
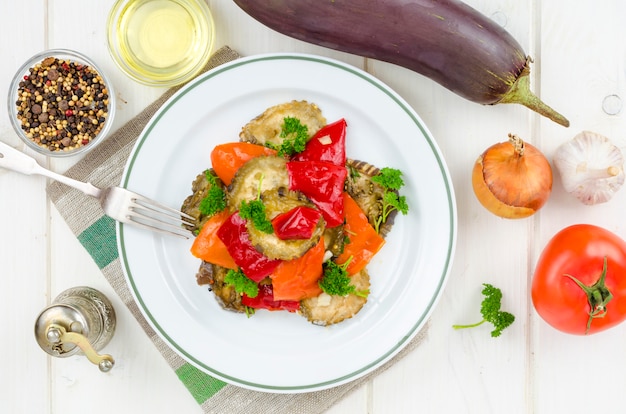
pixel 158 217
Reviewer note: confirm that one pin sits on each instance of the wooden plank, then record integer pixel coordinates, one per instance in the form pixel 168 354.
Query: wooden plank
pixel 468 371
pixel 582 62
pixel 141 381
pixel 24 255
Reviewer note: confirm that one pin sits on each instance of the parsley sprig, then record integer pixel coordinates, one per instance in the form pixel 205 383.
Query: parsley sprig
pixel 391 180
pixel 295 136
pixel 490 310
pixel 336 280
pixel 353 172
pixel 254 211
pixel 215 200
pixel 242 283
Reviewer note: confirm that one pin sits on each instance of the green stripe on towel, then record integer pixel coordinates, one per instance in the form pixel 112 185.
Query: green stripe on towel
pixel 201 385
pixel 100 241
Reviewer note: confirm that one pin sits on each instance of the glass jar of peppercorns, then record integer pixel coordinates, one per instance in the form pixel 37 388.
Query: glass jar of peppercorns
pixel 60 103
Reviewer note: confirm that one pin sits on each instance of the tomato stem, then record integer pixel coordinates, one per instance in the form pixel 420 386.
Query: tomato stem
pixel 598 296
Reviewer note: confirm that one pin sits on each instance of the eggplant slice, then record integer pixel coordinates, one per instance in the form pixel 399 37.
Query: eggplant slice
pixel 266 128
pixel 327 309
pixel 225 294
pixel 255 177
pixel 199 190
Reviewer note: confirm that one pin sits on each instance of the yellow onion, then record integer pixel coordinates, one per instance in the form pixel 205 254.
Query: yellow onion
pixel 512 179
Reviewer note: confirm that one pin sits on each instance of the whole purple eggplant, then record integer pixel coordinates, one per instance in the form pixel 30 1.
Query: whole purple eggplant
pixel 445 40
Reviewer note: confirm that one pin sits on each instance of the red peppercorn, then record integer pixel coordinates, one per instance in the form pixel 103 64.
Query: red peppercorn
pixel 69 112
pixel 85 142
pixel 25 77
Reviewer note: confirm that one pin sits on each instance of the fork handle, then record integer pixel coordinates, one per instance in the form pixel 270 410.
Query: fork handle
pixel 15 160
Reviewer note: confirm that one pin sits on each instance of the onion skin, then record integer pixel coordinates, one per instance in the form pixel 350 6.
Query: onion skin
pixel 511 185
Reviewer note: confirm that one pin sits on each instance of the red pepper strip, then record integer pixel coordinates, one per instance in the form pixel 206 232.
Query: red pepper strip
pixel 297 223
pixel 365 242
pixel 265 300
pixel 253 264
pixel 322 182
pixel 328 144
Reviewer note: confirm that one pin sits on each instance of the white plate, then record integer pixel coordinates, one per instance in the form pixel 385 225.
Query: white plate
pixel 279 351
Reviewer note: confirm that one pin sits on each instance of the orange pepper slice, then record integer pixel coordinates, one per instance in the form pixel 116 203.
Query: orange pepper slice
pixel 297 279
pixel 227 158
pixel 208 247
pixel 365 242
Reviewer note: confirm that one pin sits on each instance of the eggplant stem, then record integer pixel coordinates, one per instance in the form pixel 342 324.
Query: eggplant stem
pixel 520 93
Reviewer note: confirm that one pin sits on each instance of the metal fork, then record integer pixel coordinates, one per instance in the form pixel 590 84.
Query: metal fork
pixel 118 203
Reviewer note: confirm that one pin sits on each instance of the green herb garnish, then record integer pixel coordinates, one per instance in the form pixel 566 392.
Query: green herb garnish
pixel 242 283
pixel 391 180
pixel 353 173
pixel 215 200
pixel 249 311
pixel 336 280
pixel 490 309
pixel 254 211
pixel 295 136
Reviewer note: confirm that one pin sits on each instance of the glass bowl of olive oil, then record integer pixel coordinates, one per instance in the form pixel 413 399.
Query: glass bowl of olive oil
pixel 161 42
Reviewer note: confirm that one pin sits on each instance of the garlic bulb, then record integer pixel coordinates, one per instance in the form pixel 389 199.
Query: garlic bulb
pixel 591 167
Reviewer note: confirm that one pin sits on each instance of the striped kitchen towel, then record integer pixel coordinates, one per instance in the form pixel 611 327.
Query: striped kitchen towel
pixel 96 232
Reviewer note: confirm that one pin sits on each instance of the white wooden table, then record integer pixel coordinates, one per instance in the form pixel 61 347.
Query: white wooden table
pixel 580 58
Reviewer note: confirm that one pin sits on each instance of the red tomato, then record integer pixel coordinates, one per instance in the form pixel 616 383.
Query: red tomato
pixel 598 300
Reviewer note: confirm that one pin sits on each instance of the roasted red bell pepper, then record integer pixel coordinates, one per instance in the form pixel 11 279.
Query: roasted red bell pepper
pixel 328 144
pixel 265 300
pixel 234 234
pixel 297 223
pixel 322 182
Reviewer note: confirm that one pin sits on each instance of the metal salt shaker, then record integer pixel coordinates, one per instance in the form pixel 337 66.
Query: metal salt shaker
pixel 79 319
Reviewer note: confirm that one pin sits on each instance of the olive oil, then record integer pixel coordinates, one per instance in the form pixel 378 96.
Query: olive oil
pixel 161 41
